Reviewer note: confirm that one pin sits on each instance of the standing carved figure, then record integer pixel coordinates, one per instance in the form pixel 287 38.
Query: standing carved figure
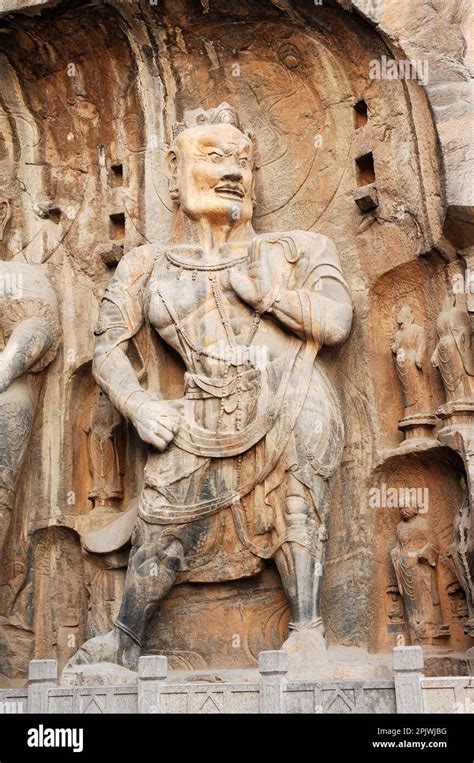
pixel 251 446
pixel 462 557
pixel 453 355
pixel 104 455
pixel 409 348
pixel 29 336
pixel 415 558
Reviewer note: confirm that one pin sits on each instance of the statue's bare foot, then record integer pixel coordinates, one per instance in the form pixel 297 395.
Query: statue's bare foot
pixel 307 652
pixel 115 646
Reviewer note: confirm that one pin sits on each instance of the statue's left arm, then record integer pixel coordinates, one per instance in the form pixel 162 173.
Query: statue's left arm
pixel 421 348
pixel 430 551
pixel 32 332
pixel 318 306
pixel 28 342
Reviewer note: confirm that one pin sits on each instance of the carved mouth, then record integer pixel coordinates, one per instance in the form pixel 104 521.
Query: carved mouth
pixel 230 190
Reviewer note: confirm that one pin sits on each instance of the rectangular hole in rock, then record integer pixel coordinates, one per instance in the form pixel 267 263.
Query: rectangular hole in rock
pixel 360 114
pixel 365 169
pixel 55 215
pixel 117 226
pixel 116 175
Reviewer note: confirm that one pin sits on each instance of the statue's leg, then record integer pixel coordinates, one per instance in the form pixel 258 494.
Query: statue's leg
pixel 300 560
pixel 148 580
pixel 16 418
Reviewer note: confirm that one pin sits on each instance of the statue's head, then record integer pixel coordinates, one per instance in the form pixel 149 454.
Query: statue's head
pixel 405 316
pixel 210 167
pixel 409 504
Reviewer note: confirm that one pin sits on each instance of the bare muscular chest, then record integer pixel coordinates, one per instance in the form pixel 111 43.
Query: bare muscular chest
pixel 200 305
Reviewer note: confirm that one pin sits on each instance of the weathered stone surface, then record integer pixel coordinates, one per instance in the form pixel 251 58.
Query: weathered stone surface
pixel 270 692
pixel 127 194
pixel 408 670
pixel 408 658
pixel 437 34
pixel 101 674
pixel 366 198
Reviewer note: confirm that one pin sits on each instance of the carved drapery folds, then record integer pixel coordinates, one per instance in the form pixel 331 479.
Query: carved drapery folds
pixel 415 559
pixel 409 349
pixel 98 205
pixel 454 359
pixel 30 333
pixel 105 451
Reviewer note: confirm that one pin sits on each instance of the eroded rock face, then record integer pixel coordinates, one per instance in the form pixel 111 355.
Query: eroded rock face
pixel 125 182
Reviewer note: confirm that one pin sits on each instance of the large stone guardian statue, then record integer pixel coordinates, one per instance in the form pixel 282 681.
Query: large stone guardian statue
pixel 29 339
pixel 253 442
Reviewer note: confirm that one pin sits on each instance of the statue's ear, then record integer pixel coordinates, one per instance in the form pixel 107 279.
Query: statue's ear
pixel 5 212
pixel 171 169
pixel 253 192
pixel 256 165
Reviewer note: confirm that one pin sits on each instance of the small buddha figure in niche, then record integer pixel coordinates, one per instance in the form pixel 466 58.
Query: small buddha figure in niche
pixel 409 349
pixel 104 455
pixel 415 559
pixel 394 605
pixel 453 356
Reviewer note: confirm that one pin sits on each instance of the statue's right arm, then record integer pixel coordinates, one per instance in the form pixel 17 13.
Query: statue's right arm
pixel 112 368
pixel 120 318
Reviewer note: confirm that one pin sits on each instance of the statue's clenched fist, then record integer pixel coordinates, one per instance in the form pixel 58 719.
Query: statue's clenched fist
pixel 157 422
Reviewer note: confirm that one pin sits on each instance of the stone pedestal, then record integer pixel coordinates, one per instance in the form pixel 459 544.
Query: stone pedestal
pixel 419 426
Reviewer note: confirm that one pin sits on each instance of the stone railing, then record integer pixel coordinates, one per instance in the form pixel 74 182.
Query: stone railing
pixel 408 692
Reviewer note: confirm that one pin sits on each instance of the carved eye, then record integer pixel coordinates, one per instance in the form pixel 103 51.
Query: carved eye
pixel 215 156
pixel 244 162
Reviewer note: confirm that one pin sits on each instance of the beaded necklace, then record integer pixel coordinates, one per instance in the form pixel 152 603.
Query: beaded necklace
pixel 199 351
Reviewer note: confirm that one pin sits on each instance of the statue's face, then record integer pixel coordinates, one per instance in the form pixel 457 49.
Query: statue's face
pixel 405 318
pixel 214 174
pixel 407 512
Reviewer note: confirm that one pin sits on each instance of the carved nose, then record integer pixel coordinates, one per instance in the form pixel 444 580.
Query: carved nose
pixel 234 176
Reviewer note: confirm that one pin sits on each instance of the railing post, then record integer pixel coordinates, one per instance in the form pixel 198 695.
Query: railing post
pixel 42 675
pixel 273 668
pixel 408 671
pixel 470 660
pixel 152 674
